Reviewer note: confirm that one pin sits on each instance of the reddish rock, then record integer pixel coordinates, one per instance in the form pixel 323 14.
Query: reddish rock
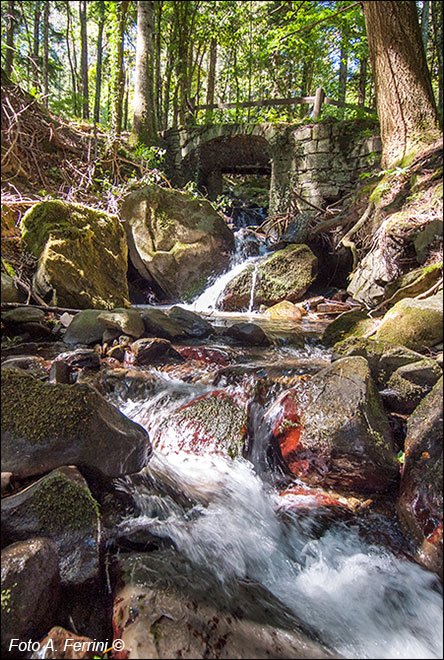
pixel 153 351
pixel 63 644
pixel 302 497
pixel 205 355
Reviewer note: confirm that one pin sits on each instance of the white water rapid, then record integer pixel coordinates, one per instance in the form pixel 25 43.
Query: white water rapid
pixel 361 599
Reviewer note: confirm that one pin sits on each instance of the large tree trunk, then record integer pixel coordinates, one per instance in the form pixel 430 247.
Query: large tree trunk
pixel 425 22
pixel 437 38
pixel 84 59
pixel 404 97
pixel 144 128
pixel 46 52
pixel 118 81
pixel 99 64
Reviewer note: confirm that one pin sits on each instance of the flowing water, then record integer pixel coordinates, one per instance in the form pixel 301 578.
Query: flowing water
pixel 362 598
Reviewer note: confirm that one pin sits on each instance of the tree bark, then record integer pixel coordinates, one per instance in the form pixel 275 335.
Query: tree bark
pixel 158 63
pixel 343 67
pixel 36 44
pixel 437 38
pixel 99 64
pixel 71 65
pixel 404 96
pixel 84 59
pixel 10 39
pixel 45 52
pixel 425 22
pixel 145 129
pixel 119 81
pixel 362 80
pixel 211 76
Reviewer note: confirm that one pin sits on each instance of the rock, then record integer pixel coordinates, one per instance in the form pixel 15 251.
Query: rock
pixel 425 237
pixel 154 351
pixel 5 480
pixel 285 275
pixel 58 506
pixel 60 372
pixel 412 382
pixel 175 241
pixel 80 358
pixel 85 328
pixel 305 500
pixel 332 430
pixel 284 310
pixel 10 293
pixel 24 315
pixel 355 323
pixel 420 502
pixel 214 423
pixel 249 334
pixel 206 356
pixel 127 321
pixel 159 324
pixel 82 255
pixel 62 644
pixel 30 590
pixel 169 608
pixel 413 283
pixel 416 324
pixel 45 426
pixel 35 365
pixel 127 384
pixel 192 324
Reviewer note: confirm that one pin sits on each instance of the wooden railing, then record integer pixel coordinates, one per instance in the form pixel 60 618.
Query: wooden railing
pixel 317 101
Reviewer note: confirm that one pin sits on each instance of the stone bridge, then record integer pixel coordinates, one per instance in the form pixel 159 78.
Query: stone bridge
pixel 321 161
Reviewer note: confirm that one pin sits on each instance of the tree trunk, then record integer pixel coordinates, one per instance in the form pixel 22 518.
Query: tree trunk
pixel 99 64
pixel 362 80
pixel 404 97
pixel 84 59
pixel 45 52
pixel 36 44
pixel 343 67
pixel 437 38
pixel 425 22
pixel 144 128
pixel 158 64
pixel 118 82
pixel 10 39
pixel 211 77
pixel 71 65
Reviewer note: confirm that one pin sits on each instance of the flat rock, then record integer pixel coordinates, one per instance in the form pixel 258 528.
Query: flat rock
pixel 24 315
pixel 85 328
pixel 416 324
pixel 249 334
pixel 126 321
pixel 159 324
pixel 192 324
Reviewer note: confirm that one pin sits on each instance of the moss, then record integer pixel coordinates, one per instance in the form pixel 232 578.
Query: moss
pixel 415 327
pixel 41 412
pixel 194 289
pixel 355 323
pixel 62 503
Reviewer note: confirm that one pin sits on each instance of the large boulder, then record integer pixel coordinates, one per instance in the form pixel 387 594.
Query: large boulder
pixel 166 607
pixel 332 430
pixel 356 323
pixel 174 240
pixel 409 384
pixel 285 275
pixel 416 324
pixel 420 501
pixel 10 293
pixel 30 591
pixel 82 255
pixel 58 506
pixel 48 425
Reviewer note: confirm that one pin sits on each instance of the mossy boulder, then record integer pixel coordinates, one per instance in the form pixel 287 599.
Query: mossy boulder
pixel 285 275
pixel 85 328
pixel 413 283
pixel 416 324
pixel 355 323
pixel 192 324
pixel 48 425
pixel 174 240
pixel 410 383
pixel 284 310
pixel 214 423
pixel 159 324
pixel 30 590
pixel 332 430
pixel 58 506
pixel 81 252
pixel 10 292
pixel 124 321
pixel 420 501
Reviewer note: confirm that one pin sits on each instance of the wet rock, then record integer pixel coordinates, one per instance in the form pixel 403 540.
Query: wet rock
pixel 30 590
pixel 159 324
pixel 304 499
pixel 5 480
pixel 10 292
pixel 45 426
pixel 249 334
pixel 285 275
pixel 192 324
pixel 214 423
pixel 285 310
pixel 332 430
pixel 356 323
pixel 127 321
pixel 174 240
pixel 24 315
pixel 80 358
pixel 411 383
pixel 35 365
pixel 168 608
pixel 82 255
pixel 416 324
pixel 85 328
pixel 128 383
pixel 60 372
pixel 206 356
pixel 58 506
pixel 60 643
pixel 154 351
pixel 420 501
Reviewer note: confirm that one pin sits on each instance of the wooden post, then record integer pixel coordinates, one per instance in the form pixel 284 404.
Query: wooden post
pixel 319 100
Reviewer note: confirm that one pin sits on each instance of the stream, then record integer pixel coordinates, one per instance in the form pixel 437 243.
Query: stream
pixel 358 594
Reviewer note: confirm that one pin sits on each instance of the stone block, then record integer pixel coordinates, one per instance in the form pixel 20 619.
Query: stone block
pixel 320 131
pixel 324 145
pixel 310 147
pixel 303 133
pixel 318 161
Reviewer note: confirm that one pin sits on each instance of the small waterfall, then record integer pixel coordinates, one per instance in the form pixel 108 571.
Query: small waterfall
pixel 253 286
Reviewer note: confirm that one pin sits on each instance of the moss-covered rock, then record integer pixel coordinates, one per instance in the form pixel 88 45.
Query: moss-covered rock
pixel 416 324
pixel 285 275
pixel 85 328
pixel 420 502
pixel 355 323
pixel 174 240
pixel 58 506
pixel 47 425
pixel 214 423
pixel 410 383
pixel 125 321
pixel 82 255
pixel 11 293
pixel 413 283
pixel 159 324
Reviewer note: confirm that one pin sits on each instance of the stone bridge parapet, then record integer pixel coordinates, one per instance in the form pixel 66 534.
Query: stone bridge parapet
pixel 321 161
